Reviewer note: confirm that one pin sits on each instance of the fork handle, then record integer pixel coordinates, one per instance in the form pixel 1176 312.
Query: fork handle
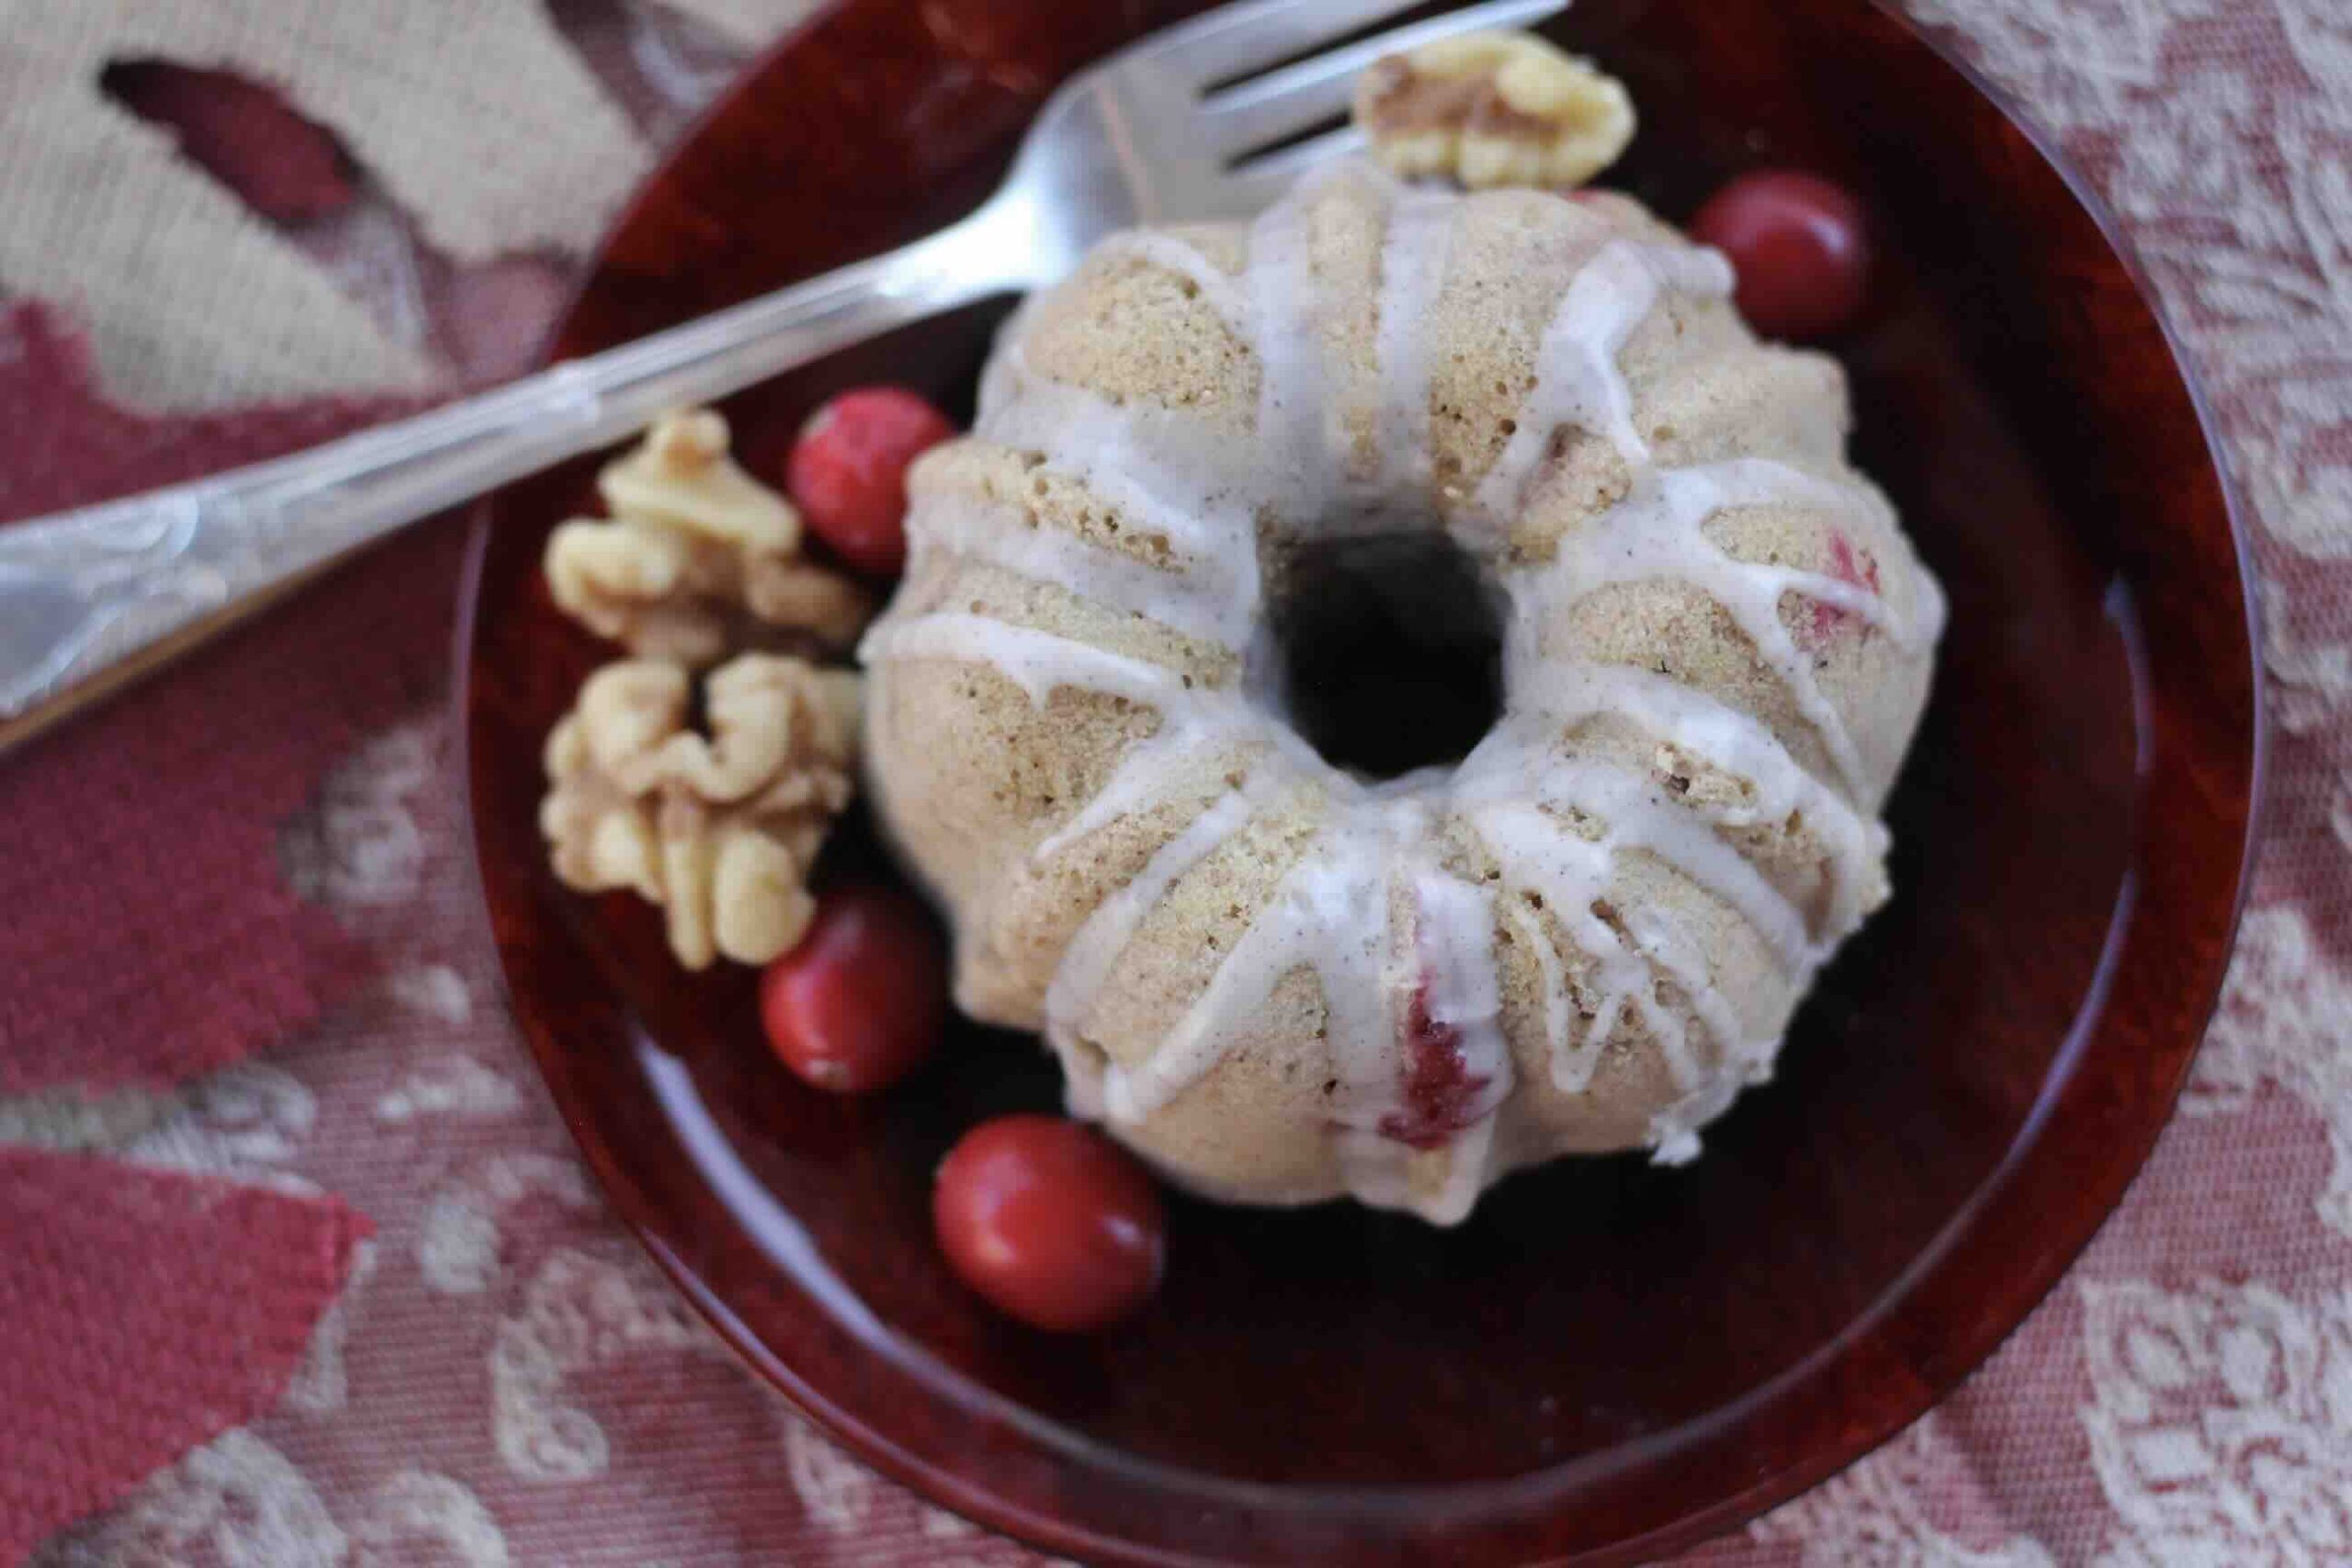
pixel 86 596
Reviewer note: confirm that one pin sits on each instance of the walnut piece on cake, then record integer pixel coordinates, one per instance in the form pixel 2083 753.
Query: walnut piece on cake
pixel 717 829
pixel 699 558
pixel 1493 109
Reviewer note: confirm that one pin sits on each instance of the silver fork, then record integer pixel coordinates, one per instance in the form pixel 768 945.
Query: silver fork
pixel 1169 130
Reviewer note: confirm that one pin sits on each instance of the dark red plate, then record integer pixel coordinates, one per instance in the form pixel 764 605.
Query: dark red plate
pixel 1609 1359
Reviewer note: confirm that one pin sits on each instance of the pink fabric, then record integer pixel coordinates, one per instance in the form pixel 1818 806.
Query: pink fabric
pixel 168 942
pixel 251 883
pixel 147 1310
pixel 68 446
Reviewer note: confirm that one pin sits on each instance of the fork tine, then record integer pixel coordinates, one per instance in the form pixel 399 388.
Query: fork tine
pixel 1234 39
pixel 1285 102
pixel 1261 182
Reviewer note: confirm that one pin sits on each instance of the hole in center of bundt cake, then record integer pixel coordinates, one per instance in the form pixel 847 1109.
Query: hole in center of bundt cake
pixel 1391 652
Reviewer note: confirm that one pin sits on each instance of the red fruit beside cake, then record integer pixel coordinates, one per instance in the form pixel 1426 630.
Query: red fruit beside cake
pixel 1800 247
pixel 848 472
pixel 861 1002
pixel 1050 1221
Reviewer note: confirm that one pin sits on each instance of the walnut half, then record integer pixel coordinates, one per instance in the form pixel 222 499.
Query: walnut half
pixel 697 556
pixel 718 829
pixel 1493 109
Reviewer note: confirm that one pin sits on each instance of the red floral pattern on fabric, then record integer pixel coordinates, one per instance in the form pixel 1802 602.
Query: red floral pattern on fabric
pixel 168 942
pixel 504 1379
pixel 147 1310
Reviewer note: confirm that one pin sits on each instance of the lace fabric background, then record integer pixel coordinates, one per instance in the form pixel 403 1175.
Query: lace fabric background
pixel 471 1363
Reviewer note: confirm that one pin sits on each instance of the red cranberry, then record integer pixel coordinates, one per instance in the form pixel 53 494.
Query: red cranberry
pixel 848 471
pixel 1440 1092
pixel 1799 246
pixel 1848 565
pixel 862 1000
pixel 1049 1219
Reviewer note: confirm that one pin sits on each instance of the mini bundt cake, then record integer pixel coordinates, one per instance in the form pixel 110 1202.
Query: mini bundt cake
pixel 1281 981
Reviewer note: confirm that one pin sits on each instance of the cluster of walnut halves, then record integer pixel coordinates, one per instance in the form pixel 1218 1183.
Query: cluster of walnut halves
pixel 698 559
pixel 719 825
pixel 1493 109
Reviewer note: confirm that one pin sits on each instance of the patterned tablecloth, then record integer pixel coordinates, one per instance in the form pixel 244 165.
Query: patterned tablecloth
pixel 296 1263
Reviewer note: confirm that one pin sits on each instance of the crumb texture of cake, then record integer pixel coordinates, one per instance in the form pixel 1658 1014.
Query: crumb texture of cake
pixel 1281 981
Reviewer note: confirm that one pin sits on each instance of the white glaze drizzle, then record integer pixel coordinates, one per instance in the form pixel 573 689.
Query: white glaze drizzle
pixel 1314 919
pixel 1164 252
pixel 1295 431
pixel 1572 874
pixel 1576 378
pixel 1658 532
pixel 1136 459
pixel 1086 963
pixel 1674 1131
pixel 1197 599
pixel 1454 941
pixel 1714 732
pixel 1635 812
pixel 1036 661
pixel 1559 1007
pixel 1417 244
pixel 1135 784
pixel 1329 914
